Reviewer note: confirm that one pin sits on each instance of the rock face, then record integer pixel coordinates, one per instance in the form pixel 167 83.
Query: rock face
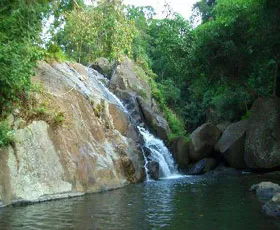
pixel 120 119
pixel 232 144
pixel 180 149
pixel 94 149
pixel 203 166
pixel 203 140
pixel 130 78
pixel 131 85
pixel 262 147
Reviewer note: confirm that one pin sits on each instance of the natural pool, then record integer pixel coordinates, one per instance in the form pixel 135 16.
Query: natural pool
pixel 201 202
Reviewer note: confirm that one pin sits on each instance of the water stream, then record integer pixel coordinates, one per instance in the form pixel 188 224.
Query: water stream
pixel 159 152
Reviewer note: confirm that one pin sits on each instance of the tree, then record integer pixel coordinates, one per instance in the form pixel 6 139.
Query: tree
pixel 20 26
pixel 95 31
pixel 203 10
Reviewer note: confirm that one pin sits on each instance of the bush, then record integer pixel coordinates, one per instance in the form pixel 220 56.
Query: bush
pixel 175 124
pixel 54 52
pixel 6 134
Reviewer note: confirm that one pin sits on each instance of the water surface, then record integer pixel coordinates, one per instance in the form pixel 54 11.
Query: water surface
pixel 200 202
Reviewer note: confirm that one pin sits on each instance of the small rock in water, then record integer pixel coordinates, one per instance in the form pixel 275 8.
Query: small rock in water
pixel 147 151
pixel 153 169
pixel 272 207
pixel 270 192
pixel 265 190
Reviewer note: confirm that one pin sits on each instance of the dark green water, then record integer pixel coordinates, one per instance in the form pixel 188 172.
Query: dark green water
pixel 187 203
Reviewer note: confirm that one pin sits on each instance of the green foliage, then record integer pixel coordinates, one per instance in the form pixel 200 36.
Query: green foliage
pixel 229 103
pixel 20 25
pixel 98 108
pixel 212 72
pixel 141 17
pixel 175 124
pixel 170 92
pixel 58 119
pixel 6 134
pixel 97 31
pixel 232 59
pixel 170 44
pixel 55 53
pixel 247 115
pixel 203 10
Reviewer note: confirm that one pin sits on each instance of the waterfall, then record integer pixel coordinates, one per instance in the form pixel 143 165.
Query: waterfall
pixel 158 151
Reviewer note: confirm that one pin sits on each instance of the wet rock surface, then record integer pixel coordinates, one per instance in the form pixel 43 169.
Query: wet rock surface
pixel 153 170
pixel 202 166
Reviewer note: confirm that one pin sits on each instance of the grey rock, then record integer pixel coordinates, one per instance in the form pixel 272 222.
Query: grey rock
pixel 262 146
pixel 265 190
pixel 103 66
pixel 272 207
pixel 87 153
pixel 232 144
pixel 223 125
pixel 203 140
pixel 203 166
pixel 153 120
pixel 180 150
pixel 153 170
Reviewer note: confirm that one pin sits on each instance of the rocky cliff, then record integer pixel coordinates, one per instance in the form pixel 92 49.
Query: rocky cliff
pixel 95 148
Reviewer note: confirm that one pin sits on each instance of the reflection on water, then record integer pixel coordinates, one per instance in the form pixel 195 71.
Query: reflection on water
pixel 183 203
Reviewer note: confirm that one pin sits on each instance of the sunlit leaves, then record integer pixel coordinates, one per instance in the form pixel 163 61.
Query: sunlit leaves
pixel 94 31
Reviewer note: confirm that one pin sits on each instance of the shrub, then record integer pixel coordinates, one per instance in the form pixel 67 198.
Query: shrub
pixel 54 52
pixel 6 134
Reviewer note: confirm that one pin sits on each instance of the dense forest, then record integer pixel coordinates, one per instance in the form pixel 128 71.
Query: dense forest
pixel 212 70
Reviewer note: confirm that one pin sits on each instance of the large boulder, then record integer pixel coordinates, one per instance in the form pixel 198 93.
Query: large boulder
pixel 203 140
pixel 156 122
pixel 103 66
pixel 203 166
pixel 223 125
pixel 265 190
pixel 232 144
pixel 262 147
pixel 180 150
pixel 130 78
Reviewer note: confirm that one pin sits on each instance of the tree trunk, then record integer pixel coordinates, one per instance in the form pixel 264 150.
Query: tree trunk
pixel 276 90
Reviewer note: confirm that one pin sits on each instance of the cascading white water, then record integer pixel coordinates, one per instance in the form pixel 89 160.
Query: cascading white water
pixel 110 96
pixel 159 152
